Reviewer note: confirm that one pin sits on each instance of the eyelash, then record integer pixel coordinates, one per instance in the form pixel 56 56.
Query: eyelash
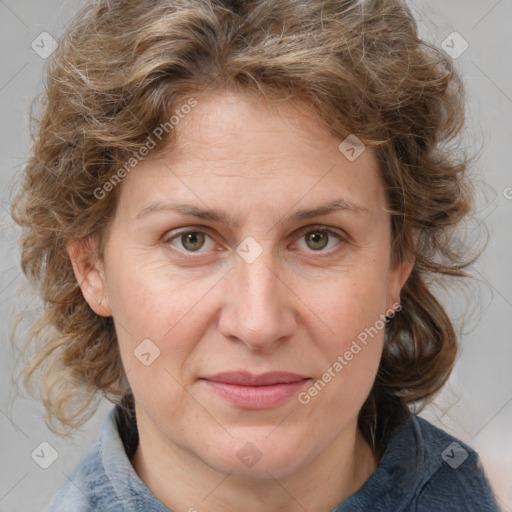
pixel 166 240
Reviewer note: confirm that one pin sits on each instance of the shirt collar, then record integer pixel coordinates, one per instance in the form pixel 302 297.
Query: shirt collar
pixel 118 440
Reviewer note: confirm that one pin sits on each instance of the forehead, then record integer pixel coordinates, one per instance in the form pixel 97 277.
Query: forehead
pixel 232 123
pixel 236 143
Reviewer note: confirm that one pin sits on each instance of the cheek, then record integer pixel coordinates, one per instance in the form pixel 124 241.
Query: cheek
pixel 351 361
pixel 349 305
pixel 158 327
pixel 353 308
pixel 151 317
pixel 149 298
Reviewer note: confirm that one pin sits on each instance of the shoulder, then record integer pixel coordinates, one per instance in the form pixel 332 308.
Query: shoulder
pixel 86 488
pixel 105 479
pixel 90 487
pixel 452 476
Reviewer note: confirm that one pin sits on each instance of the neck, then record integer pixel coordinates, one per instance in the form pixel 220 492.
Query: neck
pixel 182 481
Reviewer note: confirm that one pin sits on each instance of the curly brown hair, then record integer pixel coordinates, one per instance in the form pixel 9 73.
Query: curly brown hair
pixel 124 66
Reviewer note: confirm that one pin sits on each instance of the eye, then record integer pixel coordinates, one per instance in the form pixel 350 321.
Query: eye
pixel 190 241
pixel 317 239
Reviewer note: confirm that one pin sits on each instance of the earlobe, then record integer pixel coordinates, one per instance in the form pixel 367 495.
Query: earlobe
pixel 89 272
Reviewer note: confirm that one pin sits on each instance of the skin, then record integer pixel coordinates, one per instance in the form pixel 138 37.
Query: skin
pixel 296 308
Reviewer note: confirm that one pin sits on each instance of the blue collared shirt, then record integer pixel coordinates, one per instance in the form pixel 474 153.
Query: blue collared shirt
pixel 423 469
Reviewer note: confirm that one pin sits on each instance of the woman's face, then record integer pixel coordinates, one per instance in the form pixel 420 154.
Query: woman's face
pixel 261 284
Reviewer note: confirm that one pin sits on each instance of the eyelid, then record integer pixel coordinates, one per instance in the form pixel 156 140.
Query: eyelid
pixel 167 238
pixel 340 234
pixel 322 227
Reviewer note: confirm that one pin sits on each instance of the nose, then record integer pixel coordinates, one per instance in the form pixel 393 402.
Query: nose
pixel 259 308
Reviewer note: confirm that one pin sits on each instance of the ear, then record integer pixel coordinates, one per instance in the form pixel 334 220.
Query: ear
pixel 398 275
pixel 89 272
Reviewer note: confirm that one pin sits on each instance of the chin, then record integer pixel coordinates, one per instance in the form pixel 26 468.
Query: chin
pixel 256 457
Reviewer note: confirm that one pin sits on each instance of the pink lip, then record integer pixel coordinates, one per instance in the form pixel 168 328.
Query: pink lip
pixel 256 391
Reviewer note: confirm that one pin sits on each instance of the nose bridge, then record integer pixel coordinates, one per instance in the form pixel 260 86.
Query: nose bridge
pixel 257 282
pixel 260 312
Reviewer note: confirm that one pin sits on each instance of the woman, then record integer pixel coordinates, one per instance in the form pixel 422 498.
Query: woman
pixel 232 211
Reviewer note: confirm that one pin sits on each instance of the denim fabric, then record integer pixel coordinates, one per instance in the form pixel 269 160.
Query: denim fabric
pixel 411 476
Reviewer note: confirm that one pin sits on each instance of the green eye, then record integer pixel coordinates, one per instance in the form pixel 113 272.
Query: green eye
pixel 193 241
pixel 189 241
pixel 317 239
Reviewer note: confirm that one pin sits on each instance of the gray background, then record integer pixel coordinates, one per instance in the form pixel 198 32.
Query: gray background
pixel 479 392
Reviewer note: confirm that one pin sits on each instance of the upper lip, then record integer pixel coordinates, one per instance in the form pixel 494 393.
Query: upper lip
pixel 249 379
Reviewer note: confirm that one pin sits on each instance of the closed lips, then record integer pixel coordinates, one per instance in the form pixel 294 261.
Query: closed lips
pixel 249 379
pixel 250 391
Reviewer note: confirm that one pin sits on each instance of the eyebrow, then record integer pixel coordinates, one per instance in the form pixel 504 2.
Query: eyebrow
pixel 340 204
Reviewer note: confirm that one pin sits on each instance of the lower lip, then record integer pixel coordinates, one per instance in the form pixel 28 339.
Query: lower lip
pixel 256 397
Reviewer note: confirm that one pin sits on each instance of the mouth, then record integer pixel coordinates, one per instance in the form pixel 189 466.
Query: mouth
pixel 250 391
